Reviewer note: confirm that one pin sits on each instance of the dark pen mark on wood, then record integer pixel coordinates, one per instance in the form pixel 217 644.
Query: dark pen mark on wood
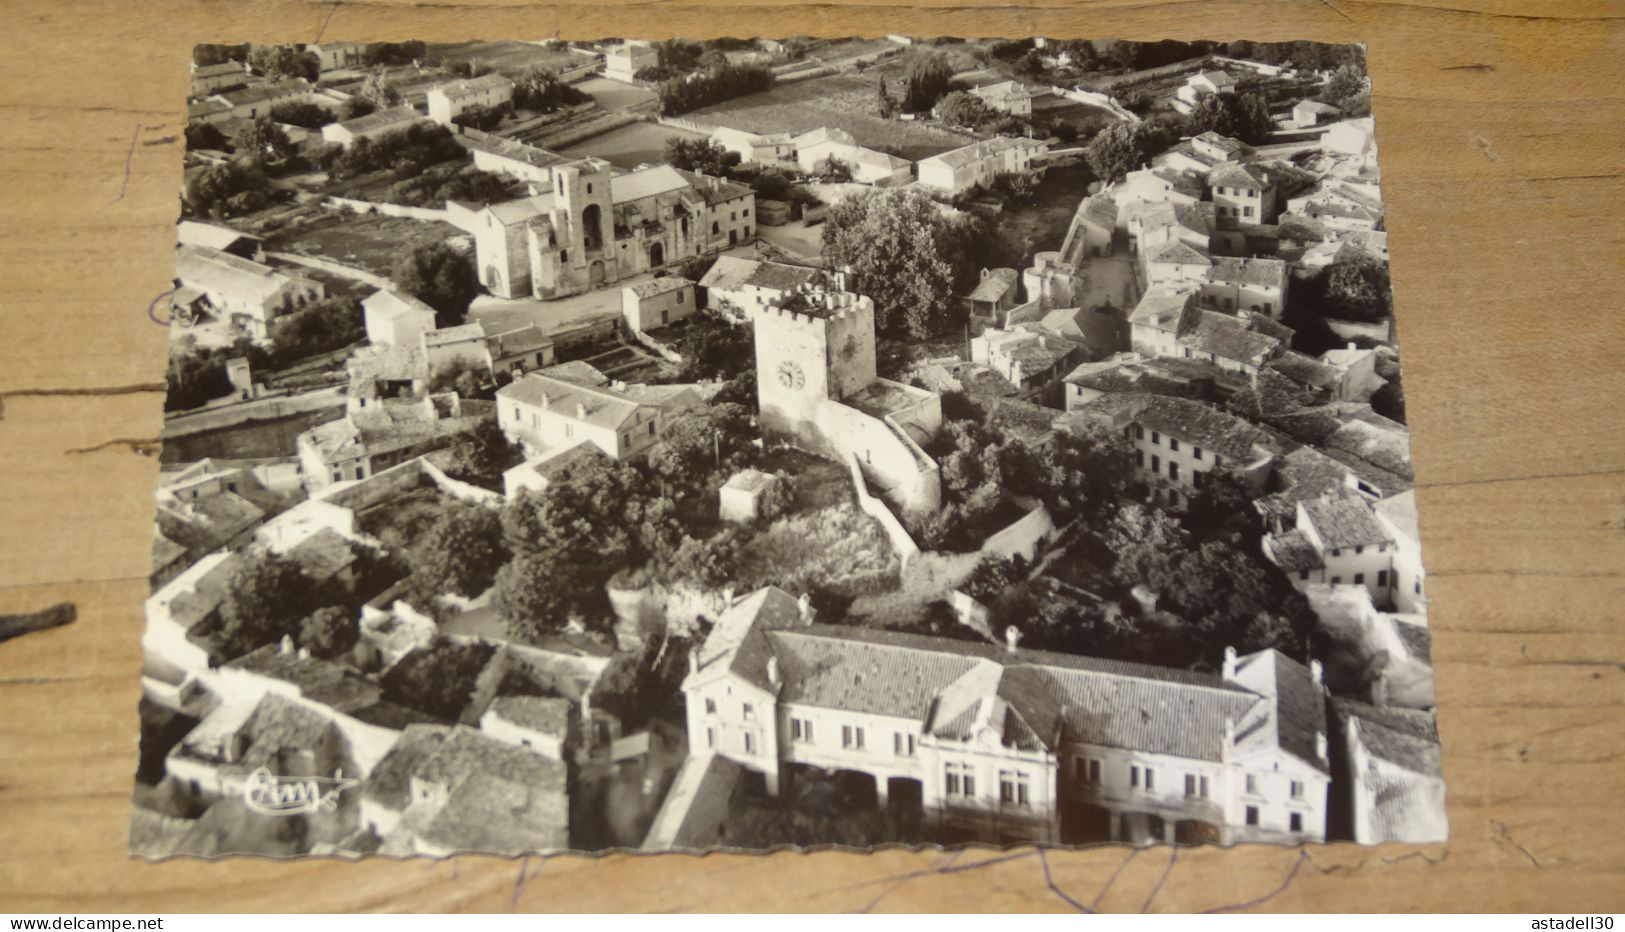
pixel 1095 904
pixel 13 626
pixel 140 447
pixel 1470 66
pixel 1330 6
pixel 1049 881
pixel 161 141
pixel 1173 858
pixel 1291 875
pixel 905 878
pixel 325 21
pixel 524 862
pixel 129 157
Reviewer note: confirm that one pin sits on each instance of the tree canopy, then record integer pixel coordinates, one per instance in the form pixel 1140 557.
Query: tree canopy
pixel 440 277
pixel 284 61
pixel 1244 116
pixel 890 240
pixel 1124 147
pixel 927 76
pixel 267 596
pixel 460 551
pixel 1355 289
pixel 700 155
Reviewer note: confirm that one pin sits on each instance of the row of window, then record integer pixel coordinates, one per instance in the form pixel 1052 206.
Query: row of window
pixel 1142 777
pixel 1359 579
pixel 1223 211
pixel 1173 443
pixel 1197 476
pixel 1236 192
pixel 853 737
pixel 959 782
pixel 1359 549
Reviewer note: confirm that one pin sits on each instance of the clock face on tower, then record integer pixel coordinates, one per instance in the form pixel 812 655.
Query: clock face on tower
pixel 791 376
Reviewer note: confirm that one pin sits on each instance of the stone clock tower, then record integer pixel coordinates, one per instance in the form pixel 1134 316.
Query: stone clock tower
pixel 818 348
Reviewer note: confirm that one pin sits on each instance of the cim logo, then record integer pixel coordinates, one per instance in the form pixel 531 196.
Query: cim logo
pixel 269 794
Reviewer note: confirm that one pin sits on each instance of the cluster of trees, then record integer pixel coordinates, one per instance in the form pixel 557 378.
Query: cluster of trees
pixel 927 78
pixel 701 155
pixel 270 596
pixel 699 89
pixel 1124 147
pixel 481 118
pixel 319 327
pixel 196 375
pixel 482 453
pixel 1349 90
pixel 405 152
pixel 1244 116
pixel 904 252
pixel 298 113
pixel 375 93
pixel 284 61
pixel 441 277
pixel 229 189
pixel 438 678
pixel 539 90
pixel 450 182
pixel 1355 289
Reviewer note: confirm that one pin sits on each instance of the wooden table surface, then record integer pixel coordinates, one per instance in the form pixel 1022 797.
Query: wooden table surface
pixel 1500 136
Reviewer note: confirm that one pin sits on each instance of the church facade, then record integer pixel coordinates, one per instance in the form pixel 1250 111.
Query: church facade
pixel 594 226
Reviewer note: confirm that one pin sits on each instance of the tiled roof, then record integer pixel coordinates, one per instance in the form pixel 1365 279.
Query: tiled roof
pixel 729 273
pixel 1200 424
pixel 1293 552
pixel 577 371
pixel 995 285
pixel 603 407
pixel 1237 174
pixel 1305 370
pixel 660 286
pixel 713 189
pixel 472 87
pixel 1230 338
pixel 197 233
pixel 1344 521
pixel 521 209
pixel 322 681
pixel 1399 511
pixel 1178 252
pixel 1163 308
pixel 323 554
pixel 270 91
pixel 1263 272
pixel 987 148
pixel 517 342
pixel 390 304
pixel 1100 208
pixel 513 150
pixel 381 119
pixel 225 67
pixel 780 276
pixel 215 271
pixel 547 715
pixel 1405 737
pixel 648 182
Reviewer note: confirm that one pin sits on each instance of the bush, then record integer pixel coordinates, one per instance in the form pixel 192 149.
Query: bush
pixel 701 89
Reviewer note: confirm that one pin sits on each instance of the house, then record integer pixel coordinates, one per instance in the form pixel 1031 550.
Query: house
pixel 258 100
pixel 1159 184
pixel 1096 223
pixel 1179 442
pixel 1132 372
pixel 594 227
pixel 1010 97
pixel 395 319
pixel 1339 207
pixel 333 56
pixel 245 292
pixel 959 170
pixel 1354 371
pixel 1397 514
pixel 1051 281
pixel 1389 786
pixel 511 157
pixel 816 147
pixel 443 790
pixel 1236 284
pixel 996 293
pixel 377 123
pixel 1338 539
pixel 449 101
pixel 1199 85
pixel 1005 744
pixel 544 724
pixel 224 238
pixel 777 149
pixel 1202 153
pixel 548 414
pixel 744 284
pixel 1162 314
pixel 1154 224
pixel 740 498
pixel 1234 344
pixel 623 62
pixel 367 441
pixel 1308 113
pixel 1174 263
pixel 536 474
pixel 225 76
pixel 1242 193
pixel 518 349
pixel 657 303
pixel 1030 359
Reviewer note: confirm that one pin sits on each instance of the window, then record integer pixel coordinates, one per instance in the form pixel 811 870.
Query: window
pixel 1359 549
pixel 564 255
pixel 1247 211
pixel 749 711
pixel 1173 444
pixel 1418 587
pixel 679 297
pixel 1337 580
pixel 1359 579
pixel 1295 821
pixel 1013 788
pixel 710 706
pixel 1297 789
pixel 651 428
pixel 1252 785
pixel 710 737
pixel 750 743
pixel 1382 578
pixel 1156 437
pixel 1134 776
pixel 1089 770
pixel 1139 458
pixel 715 228
pixel 903 744
pixel 1195 786
pixel 1173 471
pixel 1150 779
pixel 801 730
pixel 338 476
pixel 852 737
pixel 1337 551
pixel 1156 464
pixel 1198 478
pixel 1139 432
pixel 1303 574
pixel 1252 816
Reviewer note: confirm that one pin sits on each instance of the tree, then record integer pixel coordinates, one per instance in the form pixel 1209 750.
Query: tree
pixel 700 155
pixel 962 108
pixel 926 77
pixel 461 374
pixel 377 90
pixel 1355 289
pixel 204 54
pixel 1345 85
pixel 539 90
pixel 438 679
pixel 307 115
pixel 204 136
pixel 284 61
pixel 358 107
pixel 460 551
pixel 889 240
pixel 1030 65
pixel 328 632
pixel 1223 510
pixel 885 103
pixel 832 170
pixel 263 139
pixel 266 597
pixel 1243 116
pixel 440 277
pixel 319 327
pixel 535 593
pixel 1123 147
pixel 699 440
pixel 227 190
pixel 684 92
pixel 483 453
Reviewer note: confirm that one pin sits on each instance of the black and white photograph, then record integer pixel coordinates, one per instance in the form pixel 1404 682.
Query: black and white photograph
pixel 743 444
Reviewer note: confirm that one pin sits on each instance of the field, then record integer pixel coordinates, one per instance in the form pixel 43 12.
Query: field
pixel 837 101
pixel 371 242
pixel 631 145
pixel 615 95
pixel 511 57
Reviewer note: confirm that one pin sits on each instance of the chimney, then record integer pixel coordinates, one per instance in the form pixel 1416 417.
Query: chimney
pixel 286 644
pixel 581 410
pixel 1315 671
pixel 1320 745
pixel 773 670
pixel 1012 637
pixel 1229 732
pixel 693 661
pixel 727 596
pixel 1351 347
pixel 546 402
pixel 304 653
pixel 1229 672
pixel 805 609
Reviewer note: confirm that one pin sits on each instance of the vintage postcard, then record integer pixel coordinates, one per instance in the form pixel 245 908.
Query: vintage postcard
pixel 675 445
